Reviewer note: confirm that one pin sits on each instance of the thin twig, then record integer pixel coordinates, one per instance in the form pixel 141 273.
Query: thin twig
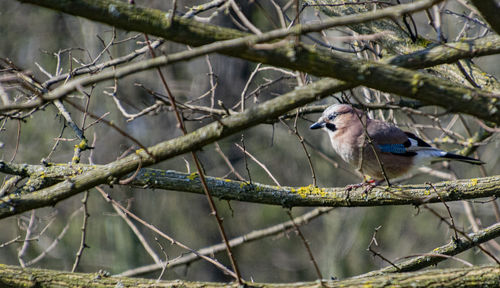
pixel 302 142
pixel 259 163
pixel 159 232
pixel 237 241
pixel 447 209
pixel 200 171
pixel 308 248
pixel 56 241
pixel 29 232
pixel 228 163
pixel 83 245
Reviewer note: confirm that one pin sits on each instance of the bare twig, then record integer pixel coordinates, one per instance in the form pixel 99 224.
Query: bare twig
pixel 240 240
pixel 29 232
pixel 228 163
pixel 308 248
pixel 259 163
pixel 200 172
pixel 83 245
pixel 156 230
pixel 375 253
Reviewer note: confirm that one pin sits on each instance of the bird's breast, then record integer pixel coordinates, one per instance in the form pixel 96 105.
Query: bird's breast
pixel 344 147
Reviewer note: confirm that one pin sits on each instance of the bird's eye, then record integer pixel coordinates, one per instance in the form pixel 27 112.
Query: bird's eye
pixel 332 116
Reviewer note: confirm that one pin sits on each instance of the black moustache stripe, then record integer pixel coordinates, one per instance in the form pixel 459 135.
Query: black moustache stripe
pixel 331 127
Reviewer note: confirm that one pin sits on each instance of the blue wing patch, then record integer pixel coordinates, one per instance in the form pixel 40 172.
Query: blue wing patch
pixel 392 148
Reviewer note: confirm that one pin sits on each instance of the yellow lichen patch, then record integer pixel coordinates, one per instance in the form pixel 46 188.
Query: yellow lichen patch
pixel 303 191
pixel 423 42
pixel 139 151
pixel 470 142
pixel 473 182
pixel 192 176
pixel 309 190
pixel 415 83
pixel 427 191
pixel 82 145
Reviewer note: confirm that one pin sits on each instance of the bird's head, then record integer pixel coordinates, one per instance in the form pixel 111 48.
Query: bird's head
pixel 335 117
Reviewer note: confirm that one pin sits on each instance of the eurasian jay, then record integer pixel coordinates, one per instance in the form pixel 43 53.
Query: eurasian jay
pixel 398 151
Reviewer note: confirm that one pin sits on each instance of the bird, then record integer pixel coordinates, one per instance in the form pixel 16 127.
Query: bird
pixel 369 144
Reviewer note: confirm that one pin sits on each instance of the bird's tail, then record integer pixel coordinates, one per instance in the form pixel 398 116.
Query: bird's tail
pixel 451 156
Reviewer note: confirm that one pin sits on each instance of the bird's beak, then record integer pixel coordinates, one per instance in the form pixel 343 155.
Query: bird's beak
pixel 317 125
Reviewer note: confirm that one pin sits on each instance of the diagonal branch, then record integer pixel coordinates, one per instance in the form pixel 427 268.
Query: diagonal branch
pixel 84 180
pixel 237 241
pixel 305 58
pixel 454 247
pixel 398 43
pixel 428 57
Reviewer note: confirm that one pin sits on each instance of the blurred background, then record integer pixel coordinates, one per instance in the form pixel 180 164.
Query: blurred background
pixel 35 39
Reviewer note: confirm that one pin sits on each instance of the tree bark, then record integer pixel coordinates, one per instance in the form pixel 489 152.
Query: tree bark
pixel 487 276
pixel 413 194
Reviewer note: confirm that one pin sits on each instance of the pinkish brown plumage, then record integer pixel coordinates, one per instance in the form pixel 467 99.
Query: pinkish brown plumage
pixel 398 151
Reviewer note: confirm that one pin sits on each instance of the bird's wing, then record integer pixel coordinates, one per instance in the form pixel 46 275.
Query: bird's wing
pixel 391 139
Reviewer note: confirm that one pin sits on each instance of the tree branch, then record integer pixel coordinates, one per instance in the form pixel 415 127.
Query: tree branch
pixel 399 43
pixel 486 276
pixel 413 194
pixel 433 257
pixel 305 58
pixel 446 53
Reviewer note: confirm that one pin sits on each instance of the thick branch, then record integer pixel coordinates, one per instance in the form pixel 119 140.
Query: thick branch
pixel 447 53
pixel 428 57
pixel 309 59
pixel 413 194
pixel 399 43
pixel 487 276
pixel 435 256
pixel 232 124
pixel 182 30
